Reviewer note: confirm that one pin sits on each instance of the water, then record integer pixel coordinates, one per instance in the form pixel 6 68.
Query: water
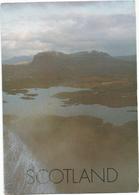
pixel 44 102
pixel 28 132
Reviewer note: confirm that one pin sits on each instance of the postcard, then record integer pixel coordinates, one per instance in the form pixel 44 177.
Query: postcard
pixel 69 97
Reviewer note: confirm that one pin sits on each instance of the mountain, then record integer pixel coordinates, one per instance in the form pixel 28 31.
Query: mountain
pixel 18 60
pixel 54 68
pixel 82 63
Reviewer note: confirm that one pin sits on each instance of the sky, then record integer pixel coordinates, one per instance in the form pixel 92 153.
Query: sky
pixel 30 28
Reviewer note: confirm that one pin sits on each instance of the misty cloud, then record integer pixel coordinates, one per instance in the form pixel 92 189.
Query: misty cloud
pixel 31 29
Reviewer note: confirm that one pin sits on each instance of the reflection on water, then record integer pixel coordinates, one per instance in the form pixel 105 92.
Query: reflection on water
pixel 40 129
pixel 42 101
pixel 18 159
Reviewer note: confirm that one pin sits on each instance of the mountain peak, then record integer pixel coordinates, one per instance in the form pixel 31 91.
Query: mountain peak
pixel 99 53
pixel 49 53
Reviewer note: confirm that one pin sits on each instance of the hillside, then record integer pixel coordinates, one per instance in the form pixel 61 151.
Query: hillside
pixel 130 58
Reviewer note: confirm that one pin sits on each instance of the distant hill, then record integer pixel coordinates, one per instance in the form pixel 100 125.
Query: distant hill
pixel 131 58
pixel 18 60
pixel 53 68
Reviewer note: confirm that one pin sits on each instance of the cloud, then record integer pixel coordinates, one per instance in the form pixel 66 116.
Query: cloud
pixel 27 31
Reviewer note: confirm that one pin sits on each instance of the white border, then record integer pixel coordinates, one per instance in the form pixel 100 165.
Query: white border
pixel 137 52
pixel 1 126
pixel 1 129
pixel 29 1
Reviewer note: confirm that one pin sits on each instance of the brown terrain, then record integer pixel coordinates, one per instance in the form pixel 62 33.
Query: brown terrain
pixel 79 141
